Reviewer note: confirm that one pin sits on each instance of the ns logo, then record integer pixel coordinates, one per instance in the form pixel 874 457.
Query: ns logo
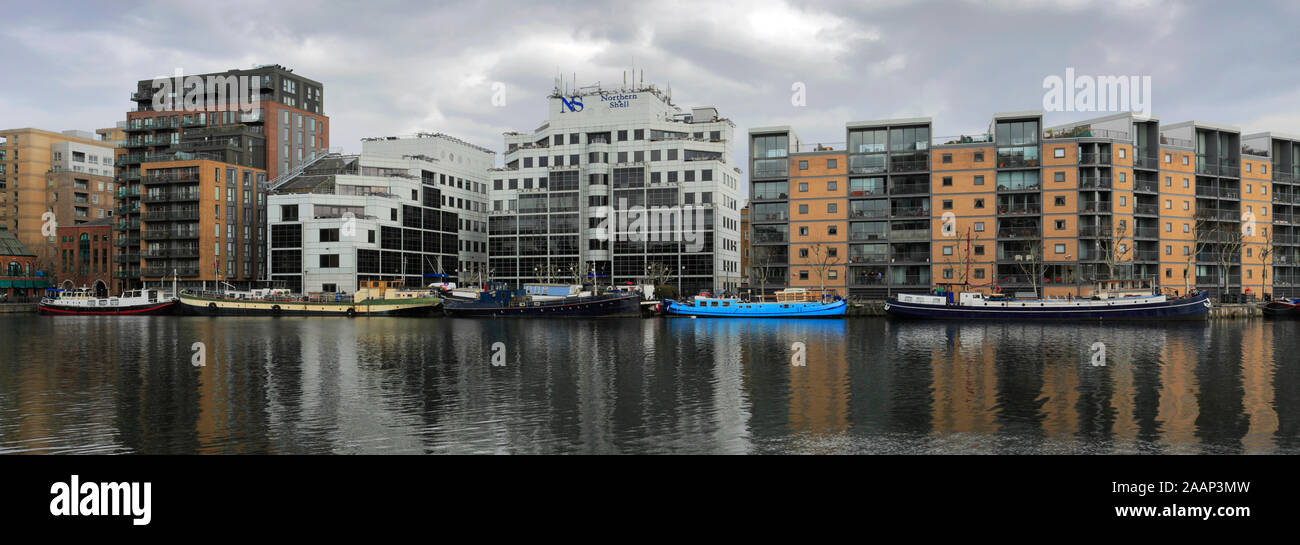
pixel 573 104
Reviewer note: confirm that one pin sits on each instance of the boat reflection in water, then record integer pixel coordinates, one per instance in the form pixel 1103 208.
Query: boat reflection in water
pixel 721 385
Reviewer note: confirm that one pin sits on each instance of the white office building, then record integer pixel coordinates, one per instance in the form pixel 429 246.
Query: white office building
pixel 78 157
pixel 347 219
pixel 619 182
pixel 462 176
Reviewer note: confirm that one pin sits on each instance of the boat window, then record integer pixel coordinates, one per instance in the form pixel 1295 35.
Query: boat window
pixel 726 303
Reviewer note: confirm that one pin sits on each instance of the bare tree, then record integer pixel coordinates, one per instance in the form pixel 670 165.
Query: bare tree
pixel 822 260
pixel 658 273
pixel 1116 248
pixel 961 257
pixel 1227 249
pixel 1031 261
pixel 760 263
pixel 1202 228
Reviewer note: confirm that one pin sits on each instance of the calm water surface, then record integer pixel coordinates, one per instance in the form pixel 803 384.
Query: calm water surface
pixel 409 385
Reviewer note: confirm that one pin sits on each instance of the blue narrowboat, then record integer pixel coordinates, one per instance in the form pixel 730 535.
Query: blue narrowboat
pixel 789 304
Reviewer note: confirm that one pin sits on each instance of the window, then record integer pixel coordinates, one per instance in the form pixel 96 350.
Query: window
pixel 979 227
pixel 1185 159
pixel 803 187
pixel 1058 153
pixel 329 235
pixel 1060 225
pixel 1168 158
pixel 947 181
pixel 947 204
pixel 979 180
pixel 803 275
pixel 830 186
pixel 831 163
pixel 803 231
pixel 979 273
pixel 832 230
pixel 289 212
pixel 329 261
pixel 1059 201
pixel 979 157
pixel 803 209
pixel 1123 152
pixel 803 165
pixel 803 253
pixel 1060 248
pixel 947 250
pixel 979 203
pixel 947 158
pixel 831 208
pixel 1059 176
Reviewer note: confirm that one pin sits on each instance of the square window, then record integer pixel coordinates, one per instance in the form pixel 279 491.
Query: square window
pixel 1059 201
pixel 831 163
pixel 979 157
pixel 947 204
pixel 947 158
pixel 1059 176
pixel 1060 225
pixel 803 187
pixel 979 180
pixel 803 209
pixel 803 165
pixel 947 181
pixel 1058 152
pixel 1060 248
pixel 979 203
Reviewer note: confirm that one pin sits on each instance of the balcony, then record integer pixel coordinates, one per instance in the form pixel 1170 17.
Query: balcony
pixel 1143 161
pixel 908 189
pixel 1146 255
pixel 1019 209
pixel 910 234
pixel 1013 187
pixel 157 234
pixel 1017 162
pixel 770 196
pixel 868 236
pixel 1094 207
pixel 1094 158
pixel 771 173
pixel 1146 186
pixel 916 165
pixel 184 252
pixel 909 257
pixel 770 216
pixel 1146 232
pixel 127 242
pixel 126 274
pixel 867 259
pixel 1146 209
pixel 765 238
pixel 869 214
pixel 1098 182
pixel 1019 232
pixel 913 212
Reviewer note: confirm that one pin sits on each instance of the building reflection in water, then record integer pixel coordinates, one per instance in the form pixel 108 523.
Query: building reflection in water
pixel 662 385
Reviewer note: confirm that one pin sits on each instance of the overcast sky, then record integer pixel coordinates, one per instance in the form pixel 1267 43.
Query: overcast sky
pixel 395 68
